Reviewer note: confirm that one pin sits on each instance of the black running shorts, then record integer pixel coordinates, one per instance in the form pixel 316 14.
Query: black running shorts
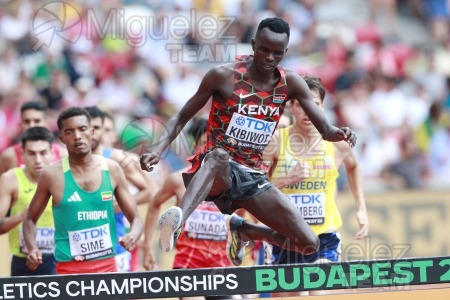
pixel 244 184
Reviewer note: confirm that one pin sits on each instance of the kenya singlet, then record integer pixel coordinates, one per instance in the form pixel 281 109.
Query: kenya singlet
pixel 44 227
pixel 314 197
pixel 244 124
pixel 84 221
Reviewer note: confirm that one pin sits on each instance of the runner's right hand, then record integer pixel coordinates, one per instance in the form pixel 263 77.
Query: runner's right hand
pixel 149 159
pixel 128 242
pixel 34 259
pixel 301 171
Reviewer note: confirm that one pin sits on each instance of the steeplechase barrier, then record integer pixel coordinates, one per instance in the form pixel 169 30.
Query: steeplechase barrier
pixel 231 281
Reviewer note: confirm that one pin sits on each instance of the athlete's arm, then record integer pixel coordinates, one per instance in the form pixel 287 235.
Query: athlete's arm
pixel 209 86
pixel 8 187
pixel 356 186
pixel 7 160
pixel 134 175
pixel 127 205
pixel 298 89
pixel 37 206
pixel 167 191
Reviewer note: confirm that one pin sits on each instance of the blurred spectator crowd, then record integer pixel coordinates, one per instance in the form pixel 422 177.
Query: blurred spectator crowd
pixel 385 64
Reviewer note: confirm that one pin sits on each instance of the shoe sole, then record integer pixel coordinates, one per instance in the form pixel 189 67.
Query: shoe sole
pixel 169 223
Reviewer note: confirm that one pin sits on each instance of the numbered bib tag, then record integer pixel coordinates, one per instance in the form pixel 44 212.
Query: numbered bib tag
pixel 248 132
pixel 206 225
pixel 311 206
pixel 45 240
pixel 91 243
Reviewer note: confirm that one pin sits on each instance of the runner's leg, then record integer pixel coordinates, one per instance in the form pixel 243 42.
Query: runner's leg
pixel 286 227
pixel 212 179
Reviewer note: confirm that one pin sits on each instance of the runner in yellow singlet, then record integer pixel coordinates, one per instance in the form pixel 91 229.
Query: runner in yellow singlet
pixel 305 168
pixel 17 187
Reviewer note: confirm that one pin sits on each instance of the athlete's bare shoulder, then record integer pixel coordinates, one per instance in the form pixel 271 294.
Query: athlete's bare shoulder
pixel 297 87
pixel 8 159
pixel 292 76
pixel 52 182
pixel 217 82
pixel 112 165
pixel 55 170
pixel 221 72
pixel 290 72
pixel 8 181
pixel 53 177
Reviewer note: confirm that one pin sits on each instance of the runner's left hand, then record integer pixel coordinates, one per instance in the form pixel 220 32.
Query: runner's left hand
pixel 128 242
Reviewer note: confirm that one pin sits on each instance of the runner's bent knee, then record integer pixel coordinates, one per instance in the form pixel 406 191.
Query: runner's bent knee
pixel 298 232
pixel 217 159
pixel 273 209
pixel 302 239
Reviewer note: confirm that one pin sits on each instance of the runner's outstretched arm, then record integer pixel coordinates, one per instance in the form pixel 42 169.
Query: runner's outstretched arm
pixel 207 88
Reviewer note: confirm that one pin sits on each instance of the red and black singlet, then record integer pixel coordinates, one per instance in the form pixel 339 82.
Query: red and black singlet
pixel 244 124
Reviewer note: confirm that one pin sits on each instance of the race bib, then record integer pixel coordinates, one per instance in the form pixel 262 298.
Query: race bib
pixel 45 240
pixel 90 243
pixel 206 225
pixel 244 131
pixel 311 206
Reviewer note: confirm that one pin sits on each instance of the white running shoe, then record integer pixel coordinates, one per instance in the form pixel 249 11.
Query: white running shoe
pixel 169 226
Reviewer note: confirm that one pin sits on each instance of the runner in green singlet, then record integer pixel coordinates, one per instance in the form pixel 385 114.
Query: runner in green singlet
pixel 83 187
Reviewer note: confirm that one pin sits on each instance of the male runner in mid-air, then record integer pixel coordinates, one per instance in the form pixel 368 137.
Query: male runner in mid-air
pixel 248 98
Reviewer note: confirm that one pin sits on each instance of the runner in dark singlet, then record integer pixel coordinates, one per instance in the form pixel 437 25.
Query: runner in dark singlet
pixel 248 99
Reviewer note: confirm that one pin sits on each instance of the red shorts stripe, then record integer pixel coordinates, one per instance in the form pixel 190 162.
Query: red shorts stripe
pixel 107 265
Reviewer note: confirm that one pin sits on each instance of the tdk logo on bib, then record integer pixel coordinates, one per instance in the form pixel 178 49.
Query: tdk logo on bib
pixel 208 216
pixel 306 199
pixel 311 206
pixel 250 132
pixel 95 232
pixel 257 124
